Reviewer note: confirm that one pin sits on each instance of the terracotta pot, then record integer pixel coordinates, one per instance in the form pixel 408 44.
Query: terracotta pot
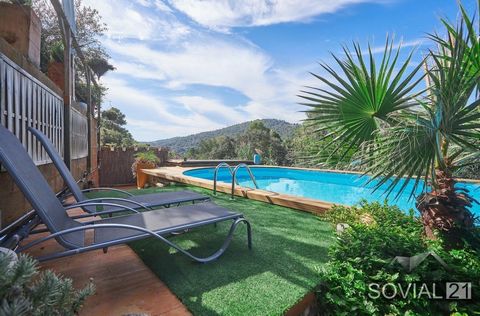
pixel 142 178
pixel 56 73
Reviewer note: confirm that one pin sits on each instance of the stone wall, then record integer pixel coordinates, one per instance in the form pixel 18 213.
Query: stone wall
pixel 21 28
pixel 12 202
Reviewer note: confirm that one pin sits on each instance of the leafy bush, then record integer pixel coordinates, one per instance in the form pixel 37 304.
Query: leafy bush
pixel 364 256
pixel 379 213
pixel 144 157
pixel 25 291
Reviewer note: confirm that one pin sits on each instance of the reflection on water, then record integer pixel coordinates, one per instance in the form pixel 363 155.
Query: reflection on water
pixel 332 187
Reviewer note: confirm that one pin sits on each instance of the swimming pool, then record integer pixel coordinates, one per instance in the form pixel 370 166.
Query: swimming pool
pixel 333 187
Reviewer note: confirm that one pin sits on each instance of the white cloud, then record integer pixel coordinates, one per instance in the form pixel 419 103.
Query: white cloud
pixel 209 62
pixel 148 42
pixel 166 122
pixel 207 106
pixel 157 4
pixel 125 21
pixel 224 14
pixel 403 44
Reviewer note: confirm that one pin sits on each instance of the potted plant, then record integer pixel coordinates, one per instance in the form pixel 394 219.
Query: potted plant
pixel 56 68
pixel 143 160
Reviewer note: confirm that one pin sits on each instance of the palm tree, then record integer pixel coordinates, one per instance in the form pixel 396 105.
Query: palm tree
pixel 405 133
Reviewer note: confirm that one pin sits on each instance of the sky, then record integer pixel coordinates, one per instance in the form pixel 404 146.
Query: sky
pixel 188 66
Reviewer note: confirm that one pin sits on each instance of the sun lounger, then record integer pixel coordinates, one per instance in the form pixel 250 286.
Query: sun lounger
pixel 70 233
pixel 152 200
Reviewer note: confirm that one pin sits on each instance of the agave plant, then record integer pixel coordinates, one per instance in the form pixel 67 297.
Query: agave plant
pixel 405 132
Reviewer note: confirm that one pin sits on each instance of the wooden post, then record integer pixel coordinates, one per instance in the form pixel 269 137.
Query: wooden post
pixel 89 119
pixel 67 96
pixel 68 27
pixel 68 69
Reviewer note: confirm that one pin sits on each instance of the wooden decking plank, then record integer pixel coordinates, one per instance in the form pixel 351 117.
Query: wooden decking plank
pixel 124 284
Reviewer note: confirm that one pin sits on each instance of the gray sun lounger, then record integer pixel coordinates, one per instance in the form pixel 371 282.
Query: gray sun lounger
pixel 70 233
pixel 152 200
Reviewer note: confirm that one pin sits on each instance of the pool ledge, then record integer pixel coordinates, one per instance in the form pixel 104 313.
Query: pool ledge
pixel 304 204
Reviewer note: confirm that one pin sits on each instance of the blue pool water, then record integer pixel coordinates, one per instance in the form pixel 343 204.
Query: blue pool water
pixel 334 187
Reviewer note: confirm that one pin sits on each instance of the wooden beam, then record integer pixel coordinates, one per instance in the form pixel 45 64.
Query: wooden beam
pixel 69 41
pixel 89 122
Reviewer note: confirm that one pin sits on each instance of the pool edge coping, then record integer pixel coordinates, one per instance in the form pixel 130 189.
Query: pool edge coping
pixel 300 203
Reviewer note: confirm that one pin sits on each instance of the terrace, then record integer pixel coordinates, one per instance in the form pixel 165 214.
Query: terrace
pixel 277 276
pixel 379 189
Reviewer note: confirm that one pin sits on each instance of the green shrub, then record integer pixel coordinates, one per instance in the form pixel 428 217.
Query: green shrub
pixel 363 256
pixel 148 157
pixel 25 291
pixel 380 213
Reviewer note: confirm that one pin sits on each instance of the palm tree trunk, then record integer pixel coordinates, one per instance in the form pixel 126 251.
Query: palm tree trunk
pixel 445 208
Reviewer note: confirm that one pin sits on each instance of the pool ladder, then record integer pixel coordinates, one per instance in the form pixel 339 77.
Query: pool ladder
pixel 220 165
pixel 234 176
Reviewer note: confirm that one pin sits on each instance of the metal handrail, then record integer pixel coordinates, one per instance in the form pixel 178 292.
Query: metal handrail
pixel 234 177
pixel 215 173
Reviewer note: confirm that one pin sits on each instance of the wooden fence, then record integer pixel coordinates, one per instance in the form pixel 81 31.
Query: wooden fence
pixel 115 164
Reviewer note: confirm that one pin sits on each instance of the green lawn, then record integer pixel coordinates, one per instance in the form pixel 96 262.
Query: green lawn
pixel 288 248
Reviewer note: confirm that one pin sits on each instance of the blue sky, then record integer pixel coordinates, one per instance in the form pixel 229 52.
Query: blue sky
pixel 187 66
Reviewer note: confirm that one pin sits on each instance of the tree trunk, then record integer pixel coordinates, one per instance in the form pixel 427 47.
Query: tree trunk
pixel 445 209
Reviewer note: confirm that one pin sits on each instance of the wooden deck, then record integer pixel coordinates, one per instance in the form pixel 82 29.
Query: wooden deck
pixel 124 285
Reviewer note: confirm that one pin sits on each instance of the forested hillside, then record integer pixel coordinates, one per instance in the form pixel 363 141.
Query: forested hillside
pixel 181 144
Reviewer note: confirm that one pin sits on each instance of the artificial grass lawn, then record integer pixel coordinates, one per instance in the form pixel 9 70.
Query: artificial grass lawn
pixel 288 249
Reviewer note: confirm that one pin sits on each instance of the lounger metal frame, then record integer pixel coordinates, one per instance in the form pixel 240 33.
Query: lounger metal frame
pixel 157 235
pixel 237 219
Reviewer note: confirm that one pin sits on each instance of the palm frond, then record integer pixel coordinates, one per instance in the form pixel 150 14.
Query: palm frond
pixel 455 76
pixel 402 154
pixel 362 95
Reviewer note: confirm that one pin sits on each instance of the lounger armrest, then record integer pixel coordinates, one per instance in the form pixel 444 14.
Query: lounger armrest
pixel 109 199
pixel 108 189
pixel 84 227
pixel 123 208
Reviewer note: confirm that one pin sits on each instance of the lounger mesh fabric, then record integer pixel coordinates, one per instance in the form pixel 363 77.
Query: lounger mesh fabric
pixel 162 198
pixel 149 200
pixel 163 221
pixel 36 189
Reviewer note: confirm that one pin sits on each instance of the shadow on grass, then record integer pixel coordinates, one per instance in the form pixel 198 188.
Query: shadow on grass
pixel 288 248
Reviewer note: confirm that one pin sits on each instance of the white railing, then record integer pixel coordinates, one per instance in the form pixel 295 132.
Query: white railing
pixel 25 101
pixel 78 136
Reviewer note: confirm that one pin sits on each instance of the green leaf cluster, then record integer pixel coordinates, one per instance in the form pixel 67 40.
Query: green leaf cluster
pixel 112 130
pixel 363 254
pixel 25 291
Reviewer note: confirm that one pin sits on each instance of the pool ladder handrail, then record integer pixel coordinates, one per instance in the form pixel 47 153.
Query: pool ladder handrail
pixel 234 177
pixel 215 173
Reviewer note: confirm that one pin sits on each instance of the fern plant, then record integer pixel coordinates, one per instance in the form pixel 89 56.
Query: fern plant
pixel 26 291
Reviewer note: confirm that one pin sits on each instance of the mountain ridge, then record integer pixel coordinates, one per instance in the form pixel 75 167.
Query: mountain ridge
pixel 181 144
